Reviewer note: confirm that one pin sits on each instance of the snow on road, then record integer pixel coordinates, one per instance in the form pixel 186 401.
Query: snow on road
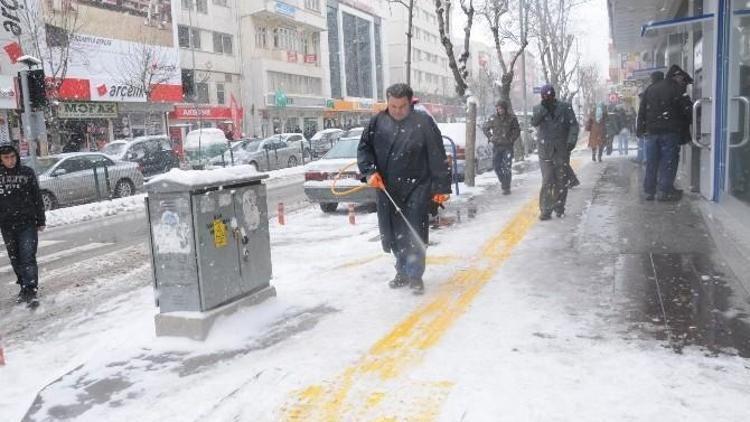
pixel 489 341
pixel 106 208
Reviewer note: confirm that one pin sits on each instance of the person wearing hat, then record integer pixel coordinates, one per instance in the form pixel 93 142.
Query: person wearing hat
pixel 21 217
pixel 664 119
pixel 502 130
pixel 558 134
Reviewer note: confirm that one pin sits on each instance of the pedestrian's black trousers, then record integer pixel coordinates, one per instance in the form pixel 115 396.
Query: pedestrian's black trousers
pixel 21 243
pixel 554 192
pixel 502 161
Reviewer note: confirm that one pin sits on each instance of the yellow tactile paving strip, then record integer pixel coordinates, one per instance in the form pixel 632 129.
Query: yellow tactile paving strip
pixel 377 387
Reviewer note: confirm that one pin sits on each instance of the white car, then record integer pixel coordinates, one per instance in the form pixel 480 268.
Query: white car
pixel 456 132
pixel 320 175
pixel 324 140
pixel 264 154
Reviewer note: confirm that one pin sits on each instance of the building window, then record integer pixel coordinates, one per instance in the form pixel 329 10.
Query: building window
pixel 187 4
pixel 201 93
pixel 201 6
pixel 220 3
pixel 188 37
pixel 222 43
pixel 228 78
pixel 286 39
pixel 220 96
pixel 313 5
pixel 261 37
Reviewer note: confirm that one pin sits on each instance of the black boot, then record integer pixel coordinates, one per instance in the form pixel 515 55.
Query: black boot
pixel 398 281
pixel 416 285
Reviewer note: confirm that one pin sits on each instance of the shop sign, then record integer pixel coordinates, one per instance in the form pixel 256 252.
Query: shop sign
pixel 118 92
pixel 190 112
pixel 285 9
pixel 311 58
pixel 88 110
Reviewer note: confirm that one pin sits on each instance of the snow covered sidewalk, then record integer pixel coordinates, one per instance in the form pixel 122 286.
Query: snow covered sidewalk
pixel 521 320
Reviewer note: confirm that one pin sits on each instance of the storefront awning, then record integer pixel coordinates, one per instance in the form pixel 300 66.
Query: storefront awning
pixel 674 26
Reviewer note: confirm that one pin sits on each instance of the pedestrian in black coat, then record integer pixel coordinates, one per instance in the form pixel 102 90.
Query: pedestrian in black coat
pixel 402 151
pixel 664 118
pixel 21 217
pixel 558 133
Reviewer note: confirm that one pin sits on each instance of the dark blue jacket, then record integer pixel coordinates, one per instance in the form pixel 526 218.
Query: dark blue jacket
pixel 410 156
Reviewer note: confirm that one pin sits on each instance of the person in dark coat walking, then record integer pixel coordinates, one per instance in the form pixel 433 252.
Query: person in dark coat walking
pixel 21 217
pixel 664 118
pixel 502 130
pixel 402 151
pixel 558 134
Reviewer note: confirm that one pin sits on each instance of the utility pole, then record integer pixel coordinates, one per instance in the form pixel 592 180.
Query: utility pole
pixel 525 120
pixel 408 42
pixel 28 127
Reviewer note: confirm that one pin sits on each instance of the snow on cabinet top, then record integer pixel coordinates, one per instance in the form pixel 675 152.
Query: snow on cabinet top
pixel 177 180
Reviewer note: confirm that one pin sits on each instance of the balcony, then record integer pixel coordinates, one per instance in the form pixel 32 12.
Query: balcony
pixel 293 11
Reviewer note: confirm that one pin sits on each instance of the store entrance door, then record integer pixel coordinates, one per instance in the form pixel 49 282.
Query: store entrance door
pixel 736 186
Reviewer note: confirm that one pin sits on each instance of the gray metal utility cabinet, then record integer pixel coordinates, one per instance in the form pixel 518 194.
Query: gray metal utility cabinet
pixel 210 246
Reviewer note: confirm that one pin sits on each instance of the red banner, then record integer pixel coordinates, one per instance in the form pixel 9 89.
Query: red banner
pixel 311 58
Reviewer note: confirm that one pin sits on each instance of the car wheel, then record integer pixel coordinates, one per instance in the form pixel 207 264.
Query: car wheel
pixel 49 201
pixel 124 188
pixel 328 206
pixel 292 161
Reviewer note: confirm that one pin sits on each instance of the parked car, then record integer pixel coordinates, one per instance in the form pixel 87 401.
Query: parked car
pixel 80 177
pixel 483 150
pixel 355 132
pixel 324 140
pixel 154 154
pixel 266 154
pixel 319 177
pixel 298 140
pixel 200 145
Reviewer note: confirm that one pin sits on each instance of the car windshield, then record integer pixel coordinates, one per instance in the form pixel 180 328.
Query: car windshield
pixel 114 148
pixel 45 163
pixel 345 148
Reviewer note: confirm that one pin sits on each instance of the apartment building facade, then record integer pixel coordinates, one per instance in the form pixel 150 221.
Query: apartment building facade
pixel 209 41
pixel 285 82
pixel 356 61
pixel 430 75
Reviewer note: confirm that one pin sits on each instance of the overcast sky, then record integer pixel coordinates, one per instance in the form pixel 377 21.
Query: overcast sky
pixel 591 26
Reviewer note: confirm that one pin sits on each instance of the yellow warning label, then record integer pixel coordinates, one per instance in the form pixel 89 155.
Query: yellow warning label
pixel 220 234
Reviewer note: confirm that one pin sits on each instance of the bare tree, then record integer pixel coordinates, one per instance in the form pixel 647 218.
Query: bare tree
pixel 458 66
pixel 590 85
pixel 555 42
pixel 146 66
pixel 505 26
pixel 50 35
pixel 409 5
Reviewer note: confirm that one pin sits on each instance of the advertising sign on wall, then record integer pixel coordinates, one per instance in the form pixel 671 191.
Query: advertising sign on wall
pixel 123 51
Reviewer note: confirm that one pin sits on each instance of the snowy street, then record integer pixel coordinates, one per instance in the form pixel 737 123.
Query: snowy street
pixel 621 310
